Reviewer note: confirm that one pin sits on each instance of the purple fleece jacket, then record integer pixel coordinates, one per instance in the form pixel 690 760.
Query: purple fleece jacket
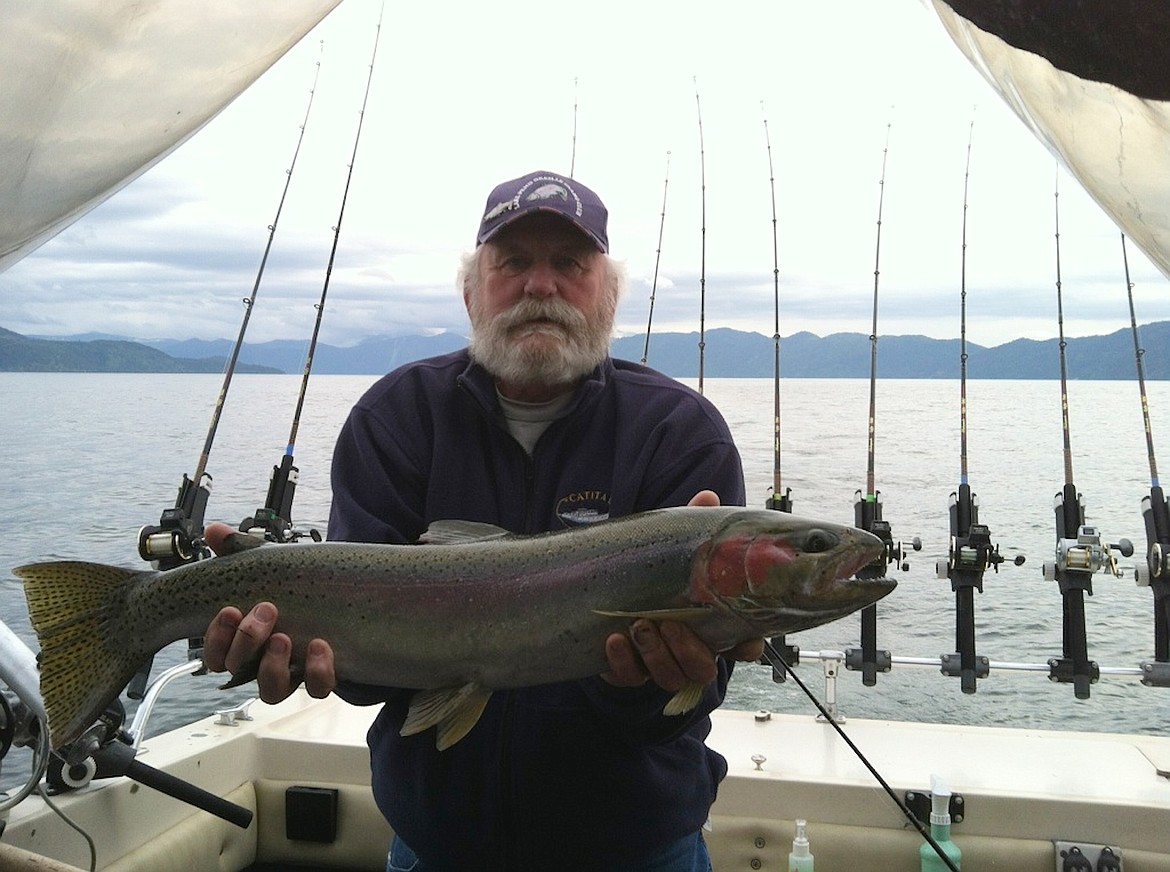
pixel 575 775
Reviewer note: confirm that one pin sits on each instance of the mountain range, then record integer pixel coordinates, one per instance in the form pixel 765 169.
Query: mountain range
pixel 727 353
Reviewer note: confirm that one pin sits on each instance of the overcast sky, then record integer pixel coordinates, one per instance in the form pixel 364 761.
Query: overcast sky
pixel 465 96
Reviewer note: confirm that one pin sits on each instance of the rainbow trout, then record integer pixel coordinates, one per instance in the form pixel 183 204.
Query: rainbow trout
pixel 470 610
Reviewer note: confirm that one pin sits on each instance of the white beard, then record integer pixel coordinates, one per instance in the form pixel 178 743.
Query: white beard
pixel 539 342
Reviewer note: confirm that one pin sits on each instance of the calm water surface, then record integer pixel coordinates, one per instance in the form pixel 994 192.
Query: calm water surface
pixel 87 459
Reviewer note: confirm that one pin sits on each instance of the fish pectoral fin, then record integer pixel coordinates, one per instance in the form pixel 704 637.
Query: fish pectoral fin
pixel 685 700
pixel 453 710
pixel 461 533
pixel 689 613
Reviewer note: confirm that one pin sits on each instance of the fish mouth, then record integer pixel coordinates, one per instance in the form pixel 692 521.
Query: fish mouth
pixel 863 550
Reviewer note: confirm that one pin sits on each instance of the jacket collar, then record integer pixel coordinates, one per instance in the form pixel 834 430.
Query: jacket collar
pixel 478 382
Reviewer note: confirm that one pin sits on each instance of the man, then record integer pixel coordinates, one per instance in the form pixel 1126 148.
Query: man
pixel 532 428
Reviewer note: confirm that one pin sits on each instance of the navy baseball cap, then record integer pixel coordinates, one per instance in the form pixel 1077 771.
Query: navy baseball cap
pixel 545 192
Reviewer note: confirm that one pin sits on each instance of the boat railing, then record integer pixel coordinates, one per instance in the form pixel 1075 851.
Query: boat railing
pixel 1149 672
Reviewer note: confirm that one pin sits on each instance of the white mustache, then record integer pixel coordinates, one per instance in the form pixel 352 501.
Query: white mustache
pixel 530 311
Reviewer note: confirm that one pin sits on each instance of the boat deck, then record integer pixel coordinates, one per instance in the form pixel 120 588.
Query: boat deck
pixel 1022 791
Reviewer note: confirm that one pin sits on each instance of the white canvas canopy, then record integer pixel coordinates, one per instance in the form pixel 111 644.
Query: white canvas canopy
pixel 95 92
pixel 1092 81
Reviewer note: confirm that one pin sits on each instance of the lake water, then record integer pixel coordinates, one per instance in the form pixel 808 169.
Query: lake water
pixel 88 459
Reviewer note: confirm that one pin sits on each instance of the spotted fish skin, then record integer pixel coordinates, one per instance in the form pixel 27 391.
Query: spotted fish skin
pixel 472 610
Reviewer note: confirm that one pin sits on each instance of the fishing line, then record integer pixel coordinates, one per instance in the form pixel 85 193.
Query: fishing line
pixel 779 663
pixel 702 238
pixel 780 498
pixel 71 823
pixel 657 260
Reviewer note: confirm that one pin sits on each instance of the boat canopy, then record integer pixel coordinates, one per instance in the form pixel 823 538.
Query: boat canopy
pixel 1091 79
pixel 95 92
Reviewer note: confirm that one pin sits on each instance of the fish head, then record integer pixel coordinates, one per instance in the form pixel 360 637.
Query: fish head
pixel 783 573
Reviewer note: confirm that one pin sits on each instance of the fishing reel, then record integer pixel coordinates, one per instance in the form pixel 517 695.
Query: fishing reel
pixel 20 726
pixel 1087 554
pixel 974 553
pixel 176 539
pixel 272 519
pixel 1156 567
pixel 867 515
pixel 81 761
pixel 893 552
pixel 1156 514
pixel 267 523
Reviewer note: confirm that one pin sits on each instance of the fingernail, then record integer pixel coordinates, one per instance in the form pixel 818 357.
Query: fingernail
pixel 265 613
pixel 278 645
pixel 643 634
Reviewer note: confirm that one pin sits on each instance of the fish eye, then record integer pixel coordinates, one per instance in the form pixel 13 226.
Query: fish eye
pixel 817 541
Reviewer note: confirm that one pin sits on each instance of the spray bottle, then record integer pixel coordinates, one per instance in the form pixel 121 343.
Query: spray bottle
pixel 800 860
pixel 940 830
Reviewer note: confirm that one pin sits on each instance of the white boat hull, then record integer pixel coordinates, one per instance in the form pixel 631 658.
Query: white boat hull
pixel 1022 790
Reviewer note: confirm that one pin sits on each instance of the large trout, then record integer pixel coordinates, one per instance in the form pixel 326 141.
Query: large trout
pixel 472 610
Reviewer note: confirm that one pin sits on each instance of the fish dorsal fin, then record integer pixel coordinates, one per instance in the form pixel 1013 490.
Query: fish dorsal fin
pixel 461 533
pixel 454 710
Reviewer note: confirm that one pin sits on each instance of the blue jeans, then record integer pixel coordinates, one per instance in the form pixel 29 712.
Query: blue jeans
pixel 686 855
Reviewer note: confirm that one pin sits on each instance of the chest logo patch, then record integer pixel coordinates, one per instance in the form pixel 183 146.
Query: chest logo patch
pixel 583 507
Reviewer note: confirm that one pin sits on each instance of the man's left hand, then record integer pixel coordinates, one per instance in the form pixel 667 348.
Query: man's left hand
pixel 669 653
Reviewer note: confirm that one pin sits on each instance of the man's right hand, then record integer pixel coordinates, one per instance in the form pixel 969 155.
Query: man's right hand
pixel 233 640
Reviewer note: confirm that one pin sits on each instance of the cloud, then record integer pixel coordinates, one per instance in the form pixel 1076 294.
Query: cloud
pixel 175 252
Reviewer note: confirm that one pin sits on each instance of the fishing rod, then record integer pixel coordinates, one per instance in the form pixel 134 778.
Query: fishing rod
pixel 177 537
pixel 657 260
pixel 971 551
pixel 573 158
pixel 1079 552
pixel 275 516
pixel 702 238
pixel 1156 513
pixel 781 498
pixel 103 750
pixel 867 509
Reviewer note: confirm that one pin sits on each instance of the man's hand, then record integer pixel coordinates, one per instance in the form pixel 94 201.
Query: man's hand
pixel 669 653
pixel 234 640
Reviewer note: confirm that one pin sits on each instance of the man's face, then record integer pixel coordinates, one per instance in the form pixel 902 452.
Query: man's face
pixel 542 309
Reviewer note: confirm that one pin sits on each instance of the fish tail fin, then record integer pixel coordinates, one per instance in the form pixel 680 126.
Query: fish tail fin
pixel 74 608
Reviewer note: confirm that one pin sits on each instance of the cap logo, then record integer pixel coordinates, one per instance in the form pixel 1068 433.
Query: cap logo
pixel 552 189
pixel 548 192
